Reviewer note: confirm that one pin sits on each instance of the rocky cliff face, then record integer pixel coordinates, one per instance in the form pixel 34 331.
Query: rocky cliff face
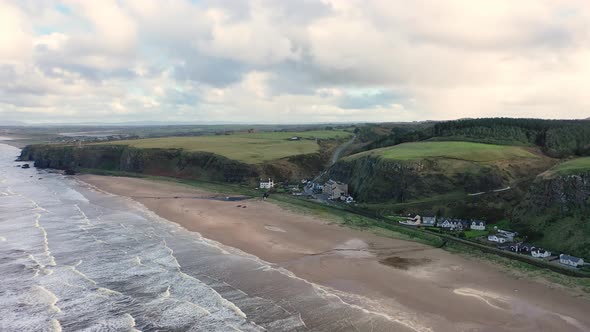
pixel 162 162
pixel 374 179
pixel 171 162
pixel 569 192
pixel 555 213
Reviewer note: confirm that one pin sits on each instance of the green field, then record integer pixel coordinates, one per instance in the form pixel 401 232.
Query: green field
pixel 251 148
pixel 467 151
pixel 572 166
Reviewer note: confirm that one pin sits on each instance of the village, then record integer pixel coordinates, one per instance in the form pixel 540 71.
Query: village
pixel 477 231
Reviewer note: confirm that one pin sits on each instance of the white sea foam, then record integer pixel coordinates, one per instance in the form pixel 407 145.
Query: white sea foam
pixel 55 325
pixel 82 275
pixel 402 317
pixel 46 250
pixel 44 295
pixel 136 263
pixel 131 322
pixel 166 293
pixel 137 260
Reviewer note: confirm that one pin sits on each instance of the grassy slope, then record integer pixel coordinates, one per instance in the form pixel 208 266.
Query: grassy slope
pixel 476 152
pixel 572 166
pixel 252 148
pixel 443 175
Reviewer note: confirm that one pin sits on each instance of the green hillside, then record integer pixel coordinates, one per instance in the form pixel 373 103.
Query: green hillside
pixel 572 166
pixel 254 148
pixel 467 151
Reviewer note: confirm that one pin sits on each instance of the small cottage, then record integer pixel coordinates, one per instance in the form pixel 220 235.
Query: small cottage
pixel 540 253
pixel 347 199
pixel 453 224
pixel 478 225
pixel 267 184
pixel 508 235
pixel 497 238
pixel 570 260
pixel 522 248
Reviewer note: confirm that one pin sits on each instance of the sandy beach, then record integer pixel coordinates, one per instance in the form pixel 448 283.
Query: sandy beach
pixel 399 278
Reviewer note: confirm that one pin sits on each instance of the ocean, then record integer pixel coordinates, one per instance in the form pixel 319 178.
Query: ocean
pixel 73 258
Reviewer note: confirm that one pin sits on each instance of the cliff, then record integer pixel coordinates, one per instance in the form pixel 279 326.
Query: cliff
pixel 555 212
pixel 172 162
pixel 375 179
pixel 161 162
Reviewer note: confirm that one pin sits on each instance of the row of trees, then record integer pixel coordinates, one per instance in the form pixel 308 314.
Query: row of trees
pixel 557 138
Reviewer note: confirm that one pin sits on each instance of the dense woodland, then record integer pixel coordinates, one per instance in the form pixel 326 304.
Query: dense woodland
pixel 557 138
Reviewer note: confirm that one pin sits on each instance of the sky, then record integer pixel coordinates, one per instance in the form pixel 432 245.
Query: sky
pixel 292 61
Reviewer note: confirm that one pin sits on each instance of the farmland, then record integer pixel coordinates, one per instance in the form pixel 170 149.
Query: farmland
pixel 253 148
pixel 467 151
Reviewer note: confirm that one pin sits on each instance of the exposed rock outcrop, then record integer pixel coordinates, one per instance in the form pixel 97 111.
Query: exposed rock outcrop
pixel 375 179
pixel 162 162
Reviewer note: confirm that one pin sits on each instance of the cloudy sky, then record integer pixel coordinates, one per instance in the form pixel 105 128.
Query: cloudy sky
pixel 284 61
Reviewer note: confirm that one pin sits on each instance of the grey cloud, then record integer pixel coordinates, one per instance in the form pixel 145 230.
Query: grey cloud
pixel 368 100
pixel 7 73
pixel 217 72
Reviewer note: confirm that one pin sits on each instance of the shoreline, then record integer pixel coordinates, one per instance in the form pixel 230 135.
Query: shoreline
pixel 447 291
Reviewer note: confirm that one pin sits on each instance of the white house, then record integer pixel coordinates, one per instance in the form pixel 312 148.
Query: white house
pixel 508 235
pixel 347 199
pixel 570 260
pixel 540 253
pixel 453 224
pixel 497 238
pixel 478 225
pixel 267 184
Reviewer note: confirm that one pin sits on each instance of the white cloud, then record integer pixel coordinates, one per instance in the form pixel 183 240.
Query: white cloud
pixel 281 61
pixel 15 35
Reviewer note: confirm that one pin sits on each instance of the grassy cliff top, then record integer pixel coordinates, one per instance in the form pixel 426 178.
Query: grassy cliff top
pixel 467 151
pixel 572 166
pixel 251 148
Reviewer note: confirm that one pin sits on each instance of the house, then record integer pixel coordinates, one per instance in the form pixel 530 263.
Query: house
pixel 267 184
pixel 478 225
pixel 428 221
pixel 453 224
pixel 522 248
pixel 347 199
pixel 509 235
pixel 415 221
pixel 497 238
pixel 570 260
pixel 540 253
pixel 335 189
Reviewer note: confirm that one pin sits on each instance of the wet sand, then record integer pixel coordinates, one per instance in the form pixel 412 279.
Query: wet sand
pixel 414 282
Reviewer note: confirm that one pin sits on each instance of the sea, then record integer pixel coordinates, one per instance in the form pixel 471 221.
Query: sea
pixel 74 258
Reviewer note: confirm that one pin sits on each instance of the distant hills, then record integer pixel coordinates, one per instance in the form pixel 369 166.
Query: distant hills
pixel 9 123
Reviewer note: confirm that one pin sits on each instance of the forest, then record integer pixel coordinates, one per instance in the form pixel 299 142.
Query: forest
pixel 556 138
